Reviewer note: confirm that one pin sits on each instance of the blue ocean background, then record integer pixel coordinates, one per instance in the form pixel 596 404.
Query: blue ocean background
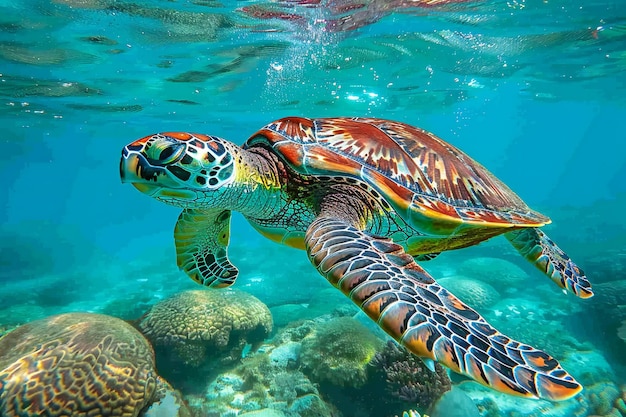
pixel 534 91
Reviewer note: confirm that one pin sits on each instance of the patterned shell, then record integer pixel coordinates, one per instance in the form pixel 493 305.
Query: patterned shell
pixel 418 173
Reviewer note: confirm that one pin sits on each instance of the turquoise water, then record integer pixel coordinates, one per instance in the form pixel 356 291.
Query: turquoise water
pixel 533 90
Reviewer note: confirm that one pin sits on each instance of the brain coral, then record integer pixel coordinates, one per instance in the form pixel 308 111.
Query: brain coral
pixel 338 351
pixel 192 323
pixel 477 294
pixel 76 364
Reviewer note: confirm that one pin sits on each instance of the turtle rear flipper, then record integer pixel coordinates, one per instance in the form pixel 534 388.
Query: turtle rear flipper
pixel 541 251
pixel 409 305
pixel 202 238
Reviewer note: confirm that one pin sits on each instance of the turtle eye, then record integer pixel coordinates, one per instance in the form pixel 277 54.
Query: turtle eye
pixel 165 151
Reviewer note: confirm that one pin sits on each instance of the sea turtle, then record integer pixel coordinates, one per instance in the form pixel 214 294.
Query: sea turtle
pixel 367 199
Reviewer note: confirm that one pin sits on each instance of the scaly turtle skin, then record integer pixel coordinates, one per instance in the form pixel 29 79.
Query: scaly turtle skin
pixel 365 198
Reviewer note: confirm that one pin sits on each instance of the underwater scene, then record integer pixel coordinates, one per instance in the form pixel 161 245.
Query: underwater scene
pixel 156 153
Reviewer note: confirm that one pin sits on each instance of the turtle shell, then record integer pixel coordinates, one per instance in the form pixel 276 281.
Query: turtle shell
pixel 425 179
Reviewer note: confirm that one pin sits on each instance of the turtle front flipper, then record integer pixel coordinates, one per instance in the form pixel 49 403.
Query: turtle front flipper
pixel 541 251
pixel 201 241
pixel 409 305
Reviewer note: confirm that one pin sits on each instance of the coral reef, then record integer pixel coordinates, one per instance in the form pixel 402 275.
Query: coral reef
pixel 204 328
pixel 524 322
pixel 261 386
pixel 604 399
pixel 5 329
pixel 286 355
pixel 328 301
pixel 334 353
pixel 606 315
pixel 474 292
pixel 285 314
pixel 409 382
pixel 76 364
pixel 331 301
pixel 130 307
pixel 606 261
pixel 338 352
pixel 589 367
pixel 412 413
pixel 499 273
pixel 296 331
pixel 265 412
pixel 620 402
pixel 14 314
pixel 609 296
pixel 598 399
pixel 454 403
pixel 168 402
pixel 274 379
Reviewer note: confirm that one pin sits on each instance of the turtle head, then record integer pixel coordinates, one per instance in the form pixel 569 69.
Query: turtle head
pixel 181 169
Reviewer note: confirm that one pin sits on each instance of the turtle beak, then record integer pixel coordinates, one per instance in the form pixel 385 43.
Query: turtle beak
pixel 124 165
pixel 135 168
pixel 150 179
pixel 130 166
